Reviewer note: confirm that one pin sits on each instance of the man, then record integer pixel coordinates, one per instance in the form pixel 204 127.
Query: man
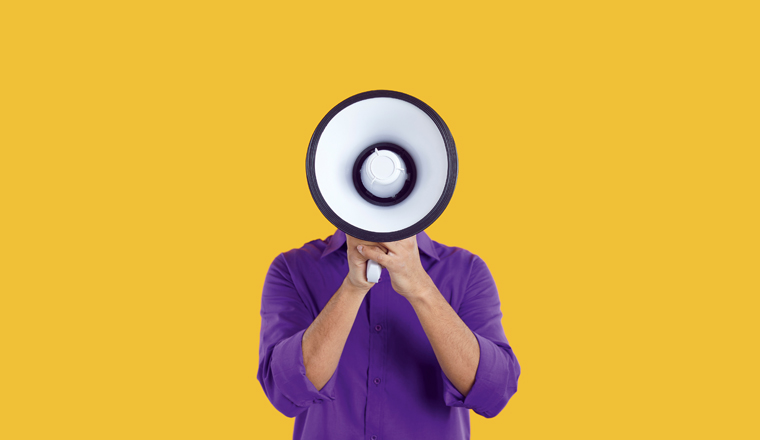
pixel 405 358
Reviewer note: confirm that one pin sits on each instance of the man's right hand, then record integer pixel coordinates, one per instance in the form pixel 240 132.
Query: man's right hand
pixel 357 263
pixel 323 341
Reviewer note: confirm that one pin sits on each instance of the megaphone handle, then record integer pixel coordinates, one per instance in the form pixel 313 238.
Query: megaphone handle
pixel 373 271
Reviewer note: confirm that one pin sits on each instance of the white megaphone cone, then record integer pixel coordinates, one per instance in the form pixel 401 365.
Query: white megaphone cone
pixel 381 166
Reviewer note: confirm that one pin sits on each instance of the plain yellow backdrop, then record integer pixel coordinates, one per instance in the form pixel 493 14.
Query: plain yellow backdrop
pixel 152 166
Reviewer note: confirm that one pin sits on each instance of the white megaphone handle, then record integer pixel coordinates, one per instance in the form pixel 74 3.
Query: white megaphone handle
pixel 373 271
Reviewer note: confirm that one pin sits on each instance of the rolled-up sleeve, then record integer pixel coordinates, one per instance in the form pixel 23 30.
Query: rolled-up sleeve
pixel 498 369
pixel 284 319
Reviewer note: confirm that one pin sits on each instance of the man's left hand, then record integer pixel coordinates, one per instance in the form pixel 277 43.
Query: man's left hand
pixel 408 277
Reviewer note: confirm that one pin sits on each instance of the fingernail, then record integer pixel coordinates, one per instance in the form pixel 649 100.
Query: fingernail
pixel 360 248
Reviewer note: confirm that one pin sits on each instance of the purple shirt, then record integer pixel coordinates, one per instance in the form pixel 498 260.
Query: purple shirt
pixel 388 384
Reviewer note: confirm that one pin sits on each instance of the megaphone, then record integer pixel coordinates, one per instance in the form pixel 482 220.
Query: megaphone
pixel 381 166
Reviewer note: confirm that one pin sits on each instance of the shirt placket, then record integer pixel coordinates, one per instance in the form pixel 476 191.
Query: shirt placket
pixel 377 348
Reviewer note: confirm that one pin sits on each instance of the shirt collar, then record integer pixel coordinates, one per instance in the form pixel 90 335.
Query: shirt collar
pixel 338 240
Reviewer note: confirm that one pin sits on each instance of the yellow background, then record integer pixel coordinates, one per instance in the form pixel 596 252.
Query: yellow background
pixel 152 166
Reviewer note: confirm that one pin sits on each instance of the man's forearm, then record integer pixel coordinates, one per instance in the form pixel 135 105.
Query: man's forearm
pixel 323 341
pixel 454 344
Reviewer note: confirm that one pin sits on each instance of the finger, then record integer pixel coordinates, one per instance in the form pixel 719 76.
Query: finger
pixel 392 246
pixel 375 253
pixel 398 246
pixel 353 242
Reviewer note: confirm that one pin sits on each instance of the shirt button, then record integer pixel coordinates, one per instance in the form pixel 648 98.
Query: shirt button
pixel 374 437
pixel 378 327
pixel 377 381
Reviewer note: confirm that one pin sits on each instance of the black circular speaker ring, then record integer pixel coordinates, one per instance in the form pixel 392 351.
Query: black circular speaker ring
pixel 411 175
pixel 430 217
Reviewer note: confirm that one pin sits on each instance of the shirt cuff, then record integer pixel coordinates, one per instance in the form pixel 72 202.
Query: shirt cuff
pixel 289 374
pixel 491 389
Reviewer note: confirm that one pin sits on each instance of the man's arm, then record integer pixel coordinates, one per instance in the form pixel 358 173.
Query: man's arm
pixel 479 368
pixel 298 354
pixel 325 338
pixel 455 346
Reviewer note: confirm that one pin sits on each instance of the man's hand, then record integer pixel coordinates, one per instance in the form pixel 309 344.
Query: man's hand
pixel 402 260
pixel 357 263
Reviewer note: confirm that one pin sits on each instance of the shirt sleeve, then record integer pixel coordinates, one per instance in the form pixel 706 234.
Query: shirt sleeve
pixel 284 319
pixel 498 369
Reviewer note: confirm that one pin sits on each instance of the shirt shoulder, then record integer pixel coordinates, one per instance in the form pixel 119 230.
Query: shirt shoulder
pixel 459 268
pixel 456 256
pixel 309 251
pixel 305 268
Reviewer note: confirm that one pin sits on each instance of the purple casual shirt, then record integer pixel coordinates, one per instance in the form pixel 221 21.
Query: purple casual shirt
pixel 388 383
